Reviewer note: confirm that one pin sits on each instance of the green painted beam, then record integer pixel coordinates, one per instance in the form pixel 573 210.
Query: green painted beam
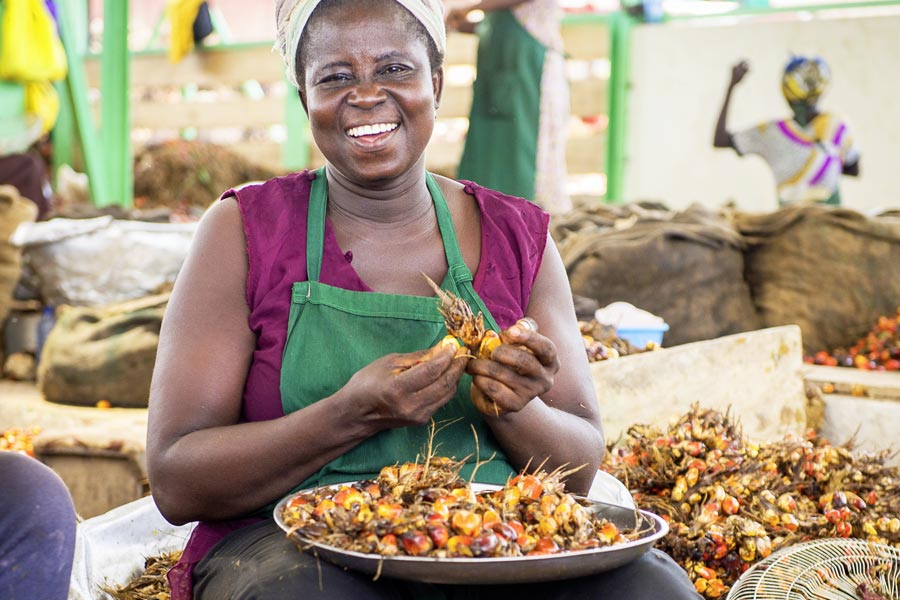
pixel 64 133
pixel 115 103
pixel 757 9
pixel 78 91
pixel 617 105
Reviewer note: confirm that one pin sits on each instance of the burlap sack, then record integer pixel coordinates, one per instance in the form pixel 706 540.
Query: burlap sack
pixel 687 268
pixel 832 271
pixel 95 354
pixel 14 210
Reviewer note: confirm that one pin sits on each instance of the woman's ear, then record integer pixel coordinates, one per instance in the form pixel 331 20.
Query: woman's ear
pixel 437 81
pixel 303 100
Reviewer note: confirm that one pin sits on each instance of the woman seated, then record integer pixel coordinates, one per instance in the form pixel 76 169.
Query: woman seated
pixel 301 346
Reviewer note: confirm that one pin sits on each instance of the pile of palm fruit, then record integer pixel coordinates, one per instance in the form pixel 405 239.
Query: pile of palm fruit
pixel 601 342
pixel 731 502
pixel 18 440
pixel 151 584
pixel 878 350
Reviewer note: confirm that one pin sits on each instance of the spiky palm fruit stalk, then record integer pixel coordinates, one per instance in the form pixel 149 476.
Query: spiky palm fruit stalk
pixel 459 319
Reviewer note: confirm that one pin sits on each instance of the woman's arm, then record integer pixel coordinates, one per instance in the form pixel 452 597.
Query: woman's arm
pixel 554 414
pixel 203 463
pixel 722 137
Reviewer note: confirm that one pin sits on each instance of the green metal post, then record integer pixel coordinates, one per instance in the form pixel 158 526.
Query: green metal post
pixel 115 102
pixel 620 62
pixel 65 134
pixel 295 152
pixel 77 84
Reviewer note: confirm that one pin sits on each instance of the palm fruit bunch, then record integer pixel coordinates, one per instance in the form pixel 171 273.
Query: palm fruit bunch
pixel 464 328
pixel 18 440
pixel 426 510
pixel 878 350
pixel 731 502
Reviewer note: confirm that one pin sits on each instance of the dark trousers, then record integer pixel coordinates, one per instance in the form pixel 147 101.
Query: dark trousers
pixel 260 562
pixel 37 531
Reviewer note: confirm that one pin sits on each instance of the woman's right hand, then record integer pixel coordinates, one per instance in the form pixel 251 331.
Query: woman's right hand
pixel 407 389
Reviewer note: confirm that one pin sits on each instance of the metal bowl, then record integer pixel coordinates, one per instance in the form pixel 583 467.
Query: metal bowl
pixel 500 570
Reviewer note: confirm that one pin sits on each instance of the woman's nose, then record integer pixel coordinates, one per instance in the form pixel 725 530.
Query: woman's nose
pixel 367 94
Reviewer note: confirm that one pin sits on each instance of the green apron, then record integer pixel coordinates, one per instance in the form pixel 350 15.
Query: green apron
pixel 501 145
pixel 333 333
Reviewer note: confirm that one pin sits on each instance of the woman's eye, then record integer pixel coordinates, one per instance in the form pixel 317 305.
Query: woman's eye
pixel 334 78
pixel 395 69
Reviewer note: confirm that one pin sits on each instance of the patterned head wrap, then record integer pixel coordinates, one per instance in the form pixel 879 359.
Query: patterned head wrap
pixel 292 16
pixel 805 79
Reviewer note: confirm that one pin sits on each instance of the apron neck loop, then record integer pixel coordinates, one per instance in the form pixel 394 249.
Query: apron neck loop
pixel 315 227
pixel 315 231
pixel 456 265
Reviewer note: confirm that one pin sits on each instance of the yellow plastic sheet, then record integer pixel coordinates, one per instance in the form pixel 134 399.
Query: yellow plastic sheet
pixel 42 100
pixel 30 49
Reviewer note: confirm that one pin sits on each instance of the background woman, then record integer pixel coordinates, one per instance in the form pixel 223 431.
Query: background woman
pixel 807 153
pixel 520 106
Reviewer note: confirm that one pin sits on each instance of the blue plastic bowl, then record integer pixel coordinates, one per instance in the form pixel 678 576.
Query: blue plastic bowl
pixel 641 336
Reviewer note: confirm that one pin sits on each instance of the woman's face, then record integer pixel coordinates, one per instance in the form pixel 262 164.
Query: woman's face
pixel 370 93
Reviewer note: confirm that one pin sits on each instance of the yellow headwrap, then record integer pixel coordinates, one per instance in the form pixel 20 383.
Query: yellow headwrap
pixel 805 79
pixel 292 16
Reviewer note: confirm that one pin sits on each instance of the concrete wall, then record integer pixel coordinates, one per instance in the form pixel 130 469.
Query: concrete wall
pixel 679 73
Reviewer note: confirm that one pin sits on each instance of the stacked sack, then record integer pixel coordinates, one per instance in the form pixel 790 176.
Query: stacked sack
pixel 687 267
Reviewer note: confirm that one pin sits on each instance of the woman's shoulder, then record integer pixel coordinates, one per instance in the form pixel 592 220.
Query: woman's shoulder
pixel 276 188
pixel 505 211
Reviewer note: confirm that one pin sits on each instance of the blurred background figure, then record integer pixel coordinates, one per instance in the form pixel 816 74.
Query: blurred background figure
pixel 37 530
pixel 190 23
pixel 807 153
pixel 31 59
pixel 520 107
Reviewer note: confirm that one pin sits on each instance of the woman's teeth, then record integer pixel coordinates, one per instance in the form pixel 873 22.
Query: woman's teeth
pixel 371 129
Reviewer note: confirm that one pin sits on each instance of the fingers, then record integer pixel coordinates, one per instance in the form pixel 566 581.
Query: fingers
pixel 436 367
pixel 485 404
pixel 524 333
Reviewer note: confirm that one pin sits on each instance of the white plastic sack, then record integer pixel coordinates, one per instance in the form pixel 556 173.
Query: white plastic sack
pixel 624 315
pixel 110 549
pixel 95 262
pixel 610 490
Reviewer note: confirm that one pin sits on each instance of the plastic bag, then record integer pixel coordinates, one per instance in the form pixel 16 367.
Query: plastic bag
pixel 42 100
pixel 181 14
pixel 30 49
pixel 110 548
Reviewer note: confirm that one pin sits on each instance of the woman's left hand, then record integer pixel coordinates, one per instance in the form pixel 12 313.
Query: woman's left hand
pixel 519 370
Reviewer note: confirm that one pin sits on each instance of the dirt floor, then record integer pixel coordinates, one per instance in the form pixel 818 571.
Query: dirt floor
pixel 98 453
pixel 22 406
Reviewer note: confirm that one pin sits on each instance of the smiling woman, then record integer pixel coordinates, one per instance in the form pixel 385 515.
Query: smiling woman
pixel 382 95
pixel 302 346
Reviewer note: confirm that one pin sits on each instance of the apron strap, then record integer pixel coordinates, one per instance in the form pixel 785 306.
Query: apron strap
pixel 457 269
pixel 315 228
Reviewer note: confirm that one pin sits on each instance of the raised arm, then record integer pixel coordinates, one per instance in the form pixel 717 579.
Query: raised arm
pixel 549 391
pixel 722 137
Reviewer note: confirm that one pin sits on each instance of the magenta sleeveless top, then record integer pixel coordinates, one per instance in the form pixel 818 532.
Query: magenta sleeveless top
pixel 513 236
